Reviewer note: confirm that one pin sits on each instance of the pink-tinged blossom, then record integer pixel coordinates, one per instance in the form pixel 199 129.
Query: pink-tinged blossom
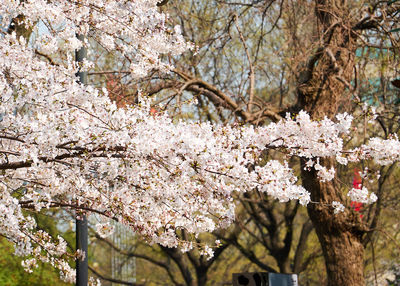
pixel 68 145
pixel 338 207
pixel 383 151
pixel 362 195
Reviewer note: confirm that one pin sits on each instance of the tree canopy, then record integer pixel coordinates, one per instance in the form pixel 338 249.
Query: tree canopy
pixel 66 145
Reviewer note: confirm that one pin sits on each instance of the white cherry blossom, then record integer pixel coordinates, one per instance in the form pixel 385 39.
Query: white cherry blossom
pixel 63 144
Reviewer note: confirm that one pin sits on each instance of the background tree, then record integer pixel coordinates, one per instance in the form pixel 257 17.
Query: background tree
pixel 313 56
pixel 324 78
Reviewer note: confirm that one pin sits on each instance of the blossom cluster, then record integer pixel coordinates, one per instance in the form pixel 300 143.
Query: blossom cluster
pixel 63 144
pixel 362 195
pixel 337 207
pixel 136 29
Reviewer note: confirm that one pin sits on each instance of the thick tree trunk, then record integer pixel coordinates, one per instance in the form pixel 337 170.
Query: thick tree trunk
pixel 340 235
pixel 321 91
pixel 344 256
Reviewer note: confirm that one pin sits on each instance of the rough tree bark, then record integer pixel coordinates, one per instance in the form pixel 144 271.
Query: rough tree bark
pixel 340 235
pixel 323 84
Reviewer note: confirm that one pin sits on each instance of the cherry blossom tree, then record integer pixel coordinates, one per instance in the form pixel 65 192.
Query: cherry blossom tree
pixel 68 145
pixel 326 57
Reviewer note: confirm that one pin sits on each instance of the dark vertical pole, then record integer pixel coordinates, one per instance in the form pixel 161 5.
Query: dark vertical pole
pixel 82 244
pixel 81 223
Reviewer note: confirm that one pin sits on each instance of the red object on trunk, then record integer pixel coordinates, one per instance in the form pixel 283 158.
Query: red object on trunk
pixel 357 184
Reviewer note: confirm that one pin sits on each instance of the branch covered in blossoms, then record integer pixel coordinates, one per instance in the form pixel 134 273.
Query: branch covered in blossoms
pixel 68 145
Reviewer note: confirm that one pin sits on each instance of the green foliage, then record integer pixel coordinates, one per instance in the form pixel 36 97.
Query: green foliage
pixel 12 273
pixel 11 270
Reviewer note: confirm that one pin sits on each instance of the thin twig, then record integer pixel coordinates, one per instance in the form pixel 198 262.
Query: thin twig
pixel 251 71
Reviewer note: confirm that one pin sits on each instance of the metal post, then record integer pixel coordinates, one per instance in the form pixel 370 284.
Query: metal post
pixel 81 224
pixel 82 244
